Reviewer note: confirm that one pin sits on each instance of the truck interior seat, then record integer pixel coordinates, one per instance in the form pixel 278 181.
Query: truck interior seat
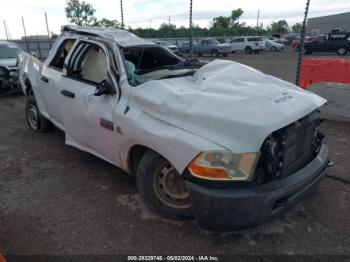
pixel 94 66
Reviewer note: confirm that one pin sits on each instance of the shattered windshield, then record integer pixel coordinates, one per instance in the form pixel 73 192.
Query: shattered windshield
pixel 145 63
pixel 8 51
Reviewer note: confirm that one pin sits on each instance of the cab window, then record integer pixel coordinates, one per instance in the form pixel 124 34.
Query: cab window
pixel 90 65
pixel 64 49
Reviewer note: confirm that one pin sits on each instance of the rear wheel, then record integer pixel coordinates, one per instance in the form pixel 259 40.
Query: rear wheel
pixel 162 188
pixel 214 52
pixel 34 118
pixel 248 50
pixel 342 51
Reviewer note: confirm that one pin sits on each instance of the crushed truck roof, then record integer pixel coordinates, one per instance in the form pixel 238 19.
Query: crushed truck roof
pixel 121 37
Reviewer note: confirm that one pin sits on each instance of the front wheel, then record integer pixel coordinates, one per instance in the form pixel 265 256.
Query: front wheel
pixel 34 119
pixel 248 50
pixel 342 51
pixel 162 188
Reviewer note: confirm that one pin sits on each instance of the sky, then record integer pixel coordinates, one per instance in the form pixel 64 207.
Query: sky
pixel 152 13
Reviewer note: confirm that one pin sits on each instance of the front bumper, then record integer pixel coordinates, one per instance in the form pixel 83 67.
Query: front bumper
pixel 8 84
pixel 223 209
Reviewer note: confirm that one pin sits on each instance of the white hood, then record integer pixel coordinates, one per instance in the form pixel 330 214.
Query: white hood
pixel 228 103
pixel 8 62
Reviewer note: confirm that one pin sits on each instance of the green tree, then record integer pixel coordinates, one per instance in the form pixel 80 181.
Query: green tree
pixel 80 13
pixel 235 16
pixel 104 22
pixel 296 28
pixel 279 27
pixel 226 25
pixel 221 22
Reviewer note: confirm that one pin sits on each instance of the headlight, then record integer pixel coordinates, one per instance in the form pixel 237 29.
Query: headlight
pixel 14 74
pixel 224 165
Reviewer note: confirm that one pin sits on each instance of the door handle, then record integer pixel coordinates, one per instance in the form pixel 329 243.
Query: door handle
pixel 44 79
pixel 67 93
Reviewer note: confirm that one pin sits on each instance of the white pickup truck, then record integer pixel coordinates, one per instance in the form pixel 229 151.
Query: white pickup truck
pixel 219 141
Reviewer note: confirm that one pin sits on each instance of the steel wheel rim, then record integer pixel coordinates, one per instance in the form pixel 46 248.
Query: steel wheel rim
pixel 32 116
pixel 170 187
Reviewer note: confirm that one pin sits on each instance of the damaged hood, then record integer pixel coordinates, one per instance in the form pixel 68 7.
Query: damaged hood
pixel 230 104
pixel 8 62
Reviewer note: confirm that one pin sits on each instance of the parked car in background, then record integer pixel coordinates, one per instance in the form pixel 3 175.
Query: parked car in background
pixel 168 45
pixel 247 44
pixel 296 42
pixel 221 40
pixel 9 82
pixel 282 41
pixel 209 46
pixel 220 142
pixel 271 45
pixel 327 44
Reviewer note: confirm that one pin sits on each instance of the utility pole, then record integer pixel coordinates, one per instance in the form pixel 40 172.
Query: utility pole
pixel 48 31
pixel 7 34
pixel 122 13
pixel 25 35
pixel 169 27
pixel 301 48
pixel 8 31
pixel 191 31
pixel 257 20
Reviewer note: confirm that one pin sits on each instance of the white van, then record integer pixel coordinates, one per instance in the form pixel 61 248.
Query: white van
pixel 247 44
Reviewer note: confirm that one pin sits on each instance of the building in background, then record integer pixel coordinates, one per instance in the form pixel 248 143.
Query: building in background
pixel 325 24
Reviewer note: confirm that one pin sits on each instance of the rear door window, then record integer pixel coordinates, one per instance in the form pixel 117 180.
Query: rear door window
pixel 237 40
pixel 254 39
pixel 61 54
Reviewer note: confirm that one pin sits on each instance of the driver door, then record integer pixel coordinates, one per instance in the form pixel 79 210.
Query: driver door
pixel 89 119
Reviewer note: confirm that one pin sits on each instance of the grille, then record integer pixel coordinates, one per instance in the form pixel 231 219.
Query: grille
pixel 289 149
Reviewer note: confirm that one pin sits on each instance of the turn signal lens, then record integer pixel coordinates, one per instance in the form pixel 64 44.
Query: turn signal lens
pixel 224 165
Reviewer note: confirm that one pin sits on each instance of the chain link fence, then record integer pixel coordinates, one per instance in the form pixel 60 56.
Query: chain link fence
pixel 281 55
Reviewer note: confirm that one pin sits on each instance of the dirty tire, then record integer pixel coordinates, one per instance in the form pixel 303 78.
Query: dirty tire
pixel 34 119
pixel 248 50
pixel 148 175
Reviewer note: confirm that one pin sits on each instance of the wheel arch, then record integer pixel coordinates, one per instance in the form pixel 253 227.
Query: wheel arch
pixel 135 154
pixel 28 87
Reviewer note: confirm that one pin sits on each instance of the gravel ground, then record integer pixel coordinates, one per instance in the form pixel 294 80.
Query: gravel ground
pixel 55 199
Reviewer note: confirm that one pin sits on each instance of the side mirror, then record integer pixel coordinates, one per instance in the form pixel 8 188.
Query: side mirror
pixel 106 87
pixel 34 54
